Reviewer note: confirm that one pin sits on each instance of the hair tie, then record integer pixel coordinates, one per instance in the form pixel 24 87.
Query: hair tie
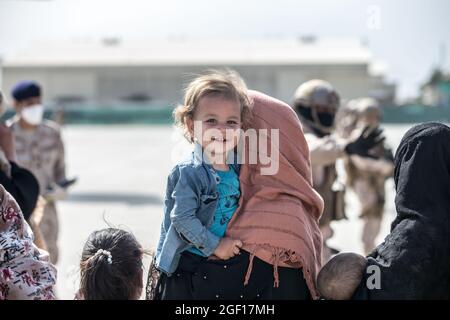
pixel 106 253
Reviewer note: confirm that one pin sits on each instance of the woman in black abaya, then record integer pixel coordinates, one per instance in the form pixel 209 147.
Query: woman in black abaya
pixel 414 259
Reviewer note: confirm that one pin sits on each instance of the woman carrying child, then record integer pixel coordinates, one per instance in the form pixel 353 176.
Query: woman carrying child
pixel 273 217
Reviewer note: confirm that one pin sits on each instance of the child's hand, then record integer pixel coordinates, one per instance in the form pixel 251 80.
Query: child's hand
pixel 227 248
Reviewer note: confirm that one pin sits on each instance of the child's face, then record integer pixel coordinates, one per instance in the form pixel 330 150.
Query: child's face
pixel 216 123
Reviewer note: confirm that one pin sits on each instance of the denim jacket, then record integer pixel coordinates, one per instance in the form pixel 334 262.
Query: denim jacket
pixel 189 206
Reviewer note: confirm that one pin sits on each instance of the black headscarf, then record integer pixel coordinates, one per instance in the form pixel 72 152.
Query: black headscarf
pixel 414 259
pixel 23 187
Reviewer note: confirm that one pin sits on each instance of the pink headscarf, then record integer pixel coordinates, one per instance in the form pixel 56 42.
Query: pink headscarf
pixel 277 219
pixel 25 271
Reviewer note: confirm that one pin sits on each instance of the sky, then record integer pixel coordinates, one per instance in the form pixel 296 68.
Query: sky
pixel 411 37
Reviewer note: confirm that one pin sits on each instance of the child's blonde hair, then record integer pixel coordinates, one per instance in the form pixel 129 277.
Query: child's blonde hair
pixel 226 83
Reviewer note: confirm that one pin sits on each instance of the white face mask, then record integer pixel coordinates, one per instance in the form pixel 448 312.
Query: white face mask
pixel 33 115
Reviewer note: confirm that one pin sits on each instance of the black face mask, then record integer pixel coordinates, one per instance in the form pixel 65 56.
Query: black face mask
pixel 305 113
pixel 326 119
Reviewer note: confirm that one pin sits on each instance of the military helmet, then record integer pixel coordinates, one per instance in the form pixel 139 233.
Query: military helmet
pixel 309 100
pixel 368 106
pixel 316 92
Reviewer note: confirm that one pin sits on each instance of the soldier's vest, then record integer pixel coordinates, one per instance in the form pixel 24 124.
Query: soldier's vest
pixel 376 183
pixel 333 196
pixel 37 152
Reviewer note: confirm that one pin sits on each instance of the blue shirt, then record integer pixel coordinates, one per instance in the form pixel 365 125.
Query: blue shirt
pixel 189 209
pixel 229 193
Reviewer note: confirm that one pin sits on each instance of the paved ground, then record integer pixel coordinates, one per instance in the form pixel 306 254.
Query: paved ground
pixel 122 174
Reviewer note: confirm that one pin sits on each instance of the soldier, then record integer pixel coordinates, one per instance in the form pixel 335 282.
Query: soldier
pixel 367 176
pixel 19 182
pixel 40 149
pixel 317 102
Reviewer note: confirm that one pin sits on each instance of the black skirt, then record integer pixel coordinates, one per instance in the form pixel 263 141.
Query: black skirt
pixel 198 278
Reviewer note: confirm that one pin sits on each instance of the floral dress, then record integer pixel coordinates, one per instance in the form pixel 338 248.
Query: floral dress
pixel 25 270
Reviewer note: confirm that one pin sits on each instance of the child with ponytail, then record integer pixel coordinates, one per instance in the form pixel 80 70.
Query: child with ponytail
pixel 111 266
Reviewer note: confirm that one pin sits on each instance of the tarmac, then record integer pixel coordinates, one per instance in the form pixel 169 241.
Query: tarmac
pixel 122 174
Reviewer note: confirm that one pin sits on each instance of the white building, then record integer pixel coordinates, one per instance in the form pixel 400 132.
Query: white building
pixel 113 70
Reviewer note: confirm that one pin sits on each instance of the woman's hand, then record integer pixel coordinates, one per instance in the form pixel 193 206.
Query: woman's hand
pixel 7 143
pixel 228 248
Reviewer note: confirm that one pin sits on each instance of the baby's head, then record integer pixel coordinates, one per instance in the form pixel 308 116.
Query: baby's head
pixel 111 266
pixel 215 107
pixel 340 277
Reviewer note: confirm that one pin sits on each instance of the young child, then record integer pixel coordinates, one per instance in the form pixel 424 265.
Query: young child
pixel 340 277
pixel 203 192
pixel 111 266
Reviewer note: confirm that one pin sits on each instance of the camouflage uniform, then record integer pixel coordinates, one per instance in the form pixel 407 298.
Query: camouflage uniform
pixel 317 104
pixel 325 149
pixel 367 176
pixel 324 152
pixel 42 152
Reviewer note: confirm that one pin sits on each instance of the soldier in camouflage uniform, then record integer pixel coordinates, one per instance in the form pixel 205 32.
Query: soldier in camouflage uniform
pixel 40 149
pixel 367 176
pixel 317 103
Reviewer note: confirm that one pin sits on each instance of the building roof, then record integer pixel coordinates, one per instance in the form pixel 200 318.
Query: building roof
pixel 113 52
